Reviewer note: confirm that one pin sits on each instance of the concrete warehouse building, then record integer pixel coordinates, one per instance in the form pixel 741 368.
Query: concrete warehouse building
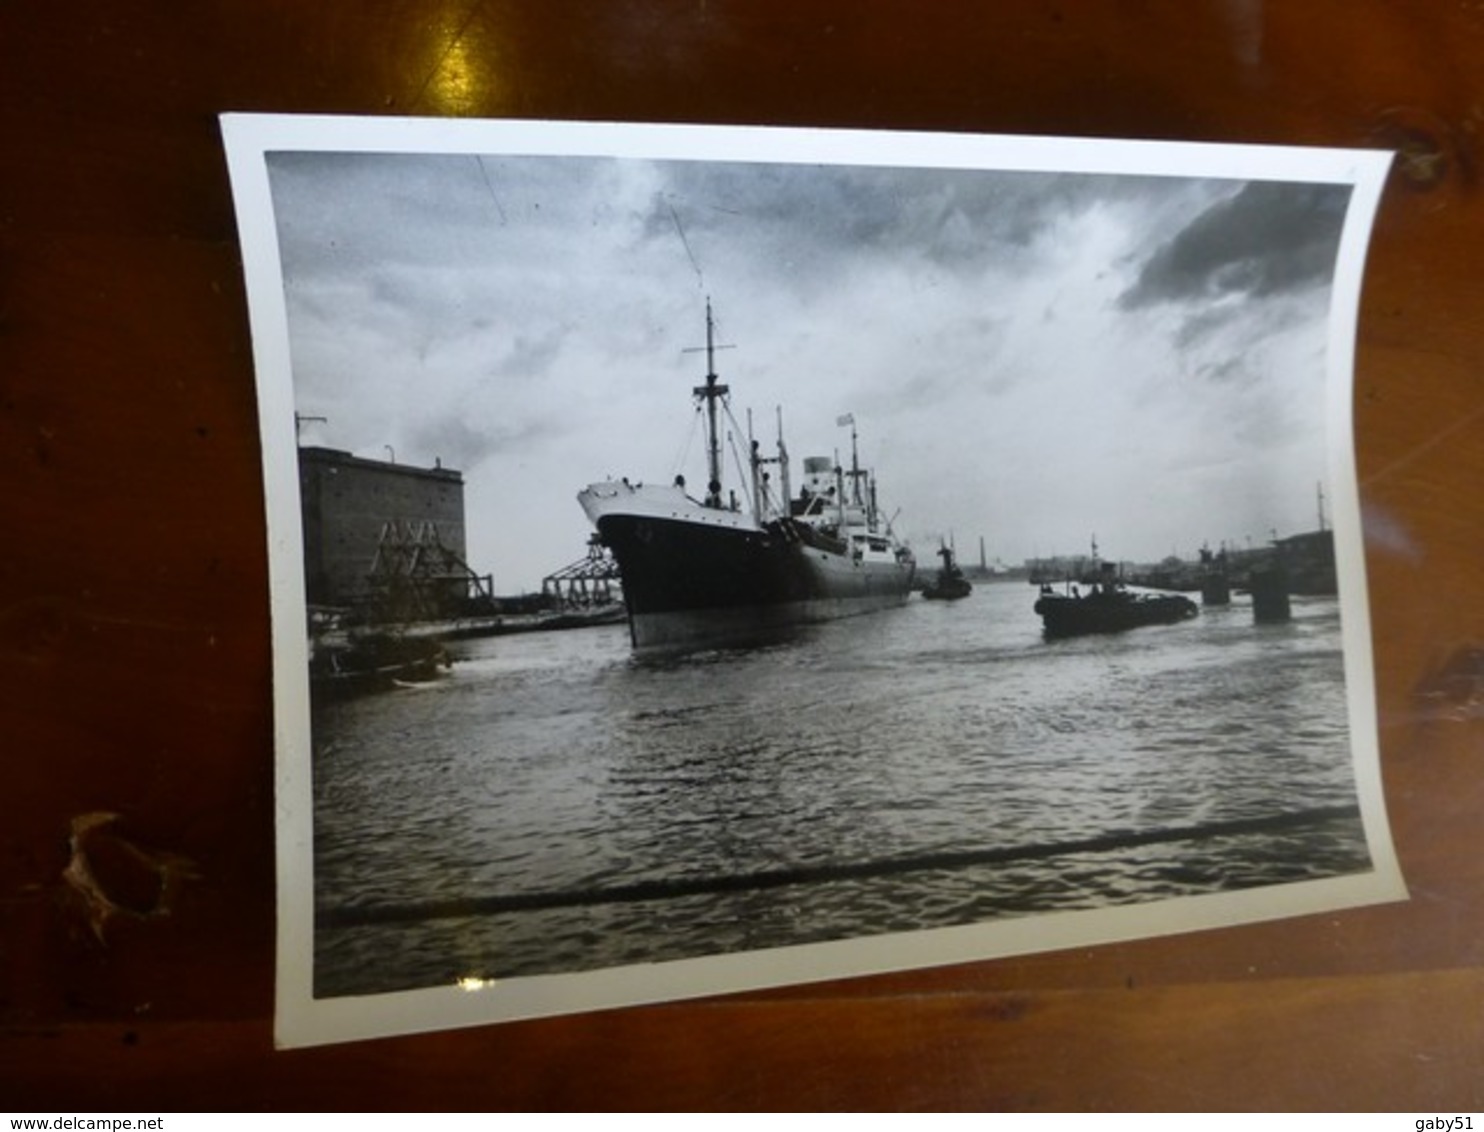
pixel 373 525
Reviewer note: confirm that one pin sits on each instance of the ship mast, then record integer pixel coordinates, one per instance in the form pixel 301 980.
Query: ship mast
pixel 855 460
pixel 712 392
pixel 763 505
pixel 865 499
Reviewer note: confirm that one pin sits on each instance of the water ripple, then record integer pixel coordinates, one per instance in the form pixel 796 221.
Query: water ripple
pixel 882 774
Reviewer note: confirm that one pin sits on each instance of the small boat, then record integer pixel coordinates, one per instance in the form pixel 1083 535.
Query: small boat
pixel 950 584
pixel 374 662
pixel 1109 608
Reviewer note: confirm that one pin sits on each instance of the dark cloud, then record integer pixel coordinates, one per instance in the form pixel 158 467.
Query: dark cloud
pixel 345 213
pixel 816 220
pixel 531 356
pixel 1211 326
pixel 461 440
pixel 1267 239
pixel 1234 370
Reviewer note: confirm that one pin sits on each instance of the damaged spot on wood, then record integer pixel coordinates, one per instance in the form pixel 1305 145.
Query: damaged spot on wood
pixel 1421 160
pixel 1455 689
pixel 114 877
pixel 1427 149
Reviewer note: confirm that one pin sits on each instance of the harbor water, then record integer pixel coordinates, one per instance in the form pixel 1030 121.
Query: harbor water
pixel 556 804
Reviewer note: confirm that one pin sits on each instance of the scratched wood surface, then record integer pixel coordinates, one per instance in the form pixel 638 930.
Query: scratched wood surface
pixel 134 663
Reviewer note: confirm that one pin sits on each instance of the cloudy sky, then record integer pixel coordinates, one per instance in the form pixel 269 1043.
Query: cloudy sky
pixel 1031 358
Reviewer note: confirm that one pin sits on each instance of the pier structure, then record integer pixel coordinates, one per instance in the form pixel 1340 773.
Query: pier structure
pixel 415 577
pixel 590 582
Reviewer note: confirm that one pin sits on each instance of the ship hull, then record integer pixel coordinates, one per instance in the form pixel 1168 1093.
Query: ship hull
pixel 694 575
pixel 948 589
pixel 1110 613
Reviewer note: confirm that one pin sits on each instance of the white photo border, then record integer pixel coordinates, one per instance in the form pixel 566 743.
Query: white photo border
pixel 301 1019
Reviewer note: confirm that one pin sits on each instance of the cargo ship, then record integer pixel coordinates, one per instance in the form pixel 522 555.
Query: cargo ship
pixel 725 569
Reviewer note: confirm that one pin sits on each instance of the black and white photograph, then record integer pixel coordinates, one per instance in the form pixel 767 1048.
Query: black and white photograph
pixel 712 559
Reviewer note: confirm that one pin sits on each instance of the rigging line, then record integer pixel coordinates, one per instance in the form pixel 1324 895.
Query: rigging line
pixel 675 216
pixel 678 464
pixel 736 431
pixel 742 477
pixel 494 196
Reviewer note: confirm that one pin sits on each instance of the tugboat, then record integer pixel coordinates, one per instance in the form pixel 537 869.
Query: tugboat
pixel 1107 607
pixel 703 572
pixel 950 584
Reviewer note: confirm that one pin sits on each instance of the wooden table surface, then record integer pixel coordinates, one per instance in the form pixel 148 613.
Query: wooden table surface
pixel 134 650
